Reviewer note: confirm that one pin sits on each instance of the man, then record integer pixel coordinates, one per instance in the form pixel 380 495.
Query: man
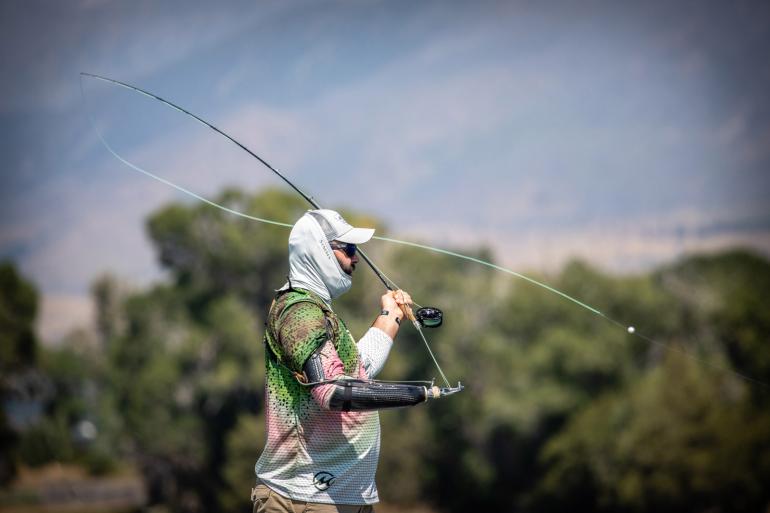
pixel 323 431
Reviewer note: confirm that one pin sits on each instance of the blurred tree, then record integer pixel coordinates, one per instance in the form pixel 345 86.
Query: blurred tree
pixel 688 435
pixel 531 360
pixel 64 434
pixel 187 369
pixel 243 446
pixel 108 295
pixel 21 386
pixel 680 439
pixel 18 309
pixel 210 252
pixel 724 298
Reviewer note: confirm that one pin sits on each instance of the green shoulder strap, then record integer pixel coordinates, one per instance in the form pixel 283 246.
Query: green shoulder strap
pixel 332 324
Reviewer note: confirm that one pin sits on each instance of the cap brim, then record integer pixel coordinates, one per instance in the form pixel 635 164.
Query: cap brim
pixel 356 235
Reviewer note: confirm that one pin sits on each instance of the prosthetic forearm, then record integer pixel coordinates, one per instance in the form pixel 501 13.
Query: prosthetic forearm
pixel 355 395
pixel 336 392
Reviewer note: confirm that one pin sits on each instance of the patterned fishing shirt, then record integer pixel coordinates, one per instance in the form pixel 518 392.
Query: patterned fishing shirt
pixel 313 454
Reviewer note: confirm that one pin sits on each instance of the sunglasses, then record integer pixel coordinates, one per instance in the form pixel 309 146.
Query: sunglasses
pixel 348 248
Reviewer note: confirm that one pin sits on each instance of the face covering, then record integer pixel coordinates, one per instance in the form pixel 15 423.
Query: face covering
pixel 312 264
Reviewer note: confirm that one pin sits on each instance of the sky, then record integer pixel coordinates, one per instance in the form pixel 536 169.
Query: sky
pixel 624 133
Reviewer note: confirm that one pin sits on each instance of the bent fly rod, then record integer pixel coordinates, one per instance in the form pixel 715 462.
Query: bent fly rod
pixel 429 317
pixel 425 316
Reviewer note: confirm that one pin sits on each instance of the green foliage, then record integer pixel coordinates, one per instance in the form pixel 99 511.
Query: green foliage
pixel 686 435
pixel 187 363
pixel 728 294
pixel 108 296
pixel 679 439
pixel 209 251
pixel 243 447
pixel 18 357
pixel 18 309
pixel 46 442
pixel 406 444
pixel 75 375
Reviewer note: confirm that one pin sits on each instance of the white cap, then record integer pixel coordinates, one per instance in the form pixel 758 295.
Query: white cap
pixel 336 228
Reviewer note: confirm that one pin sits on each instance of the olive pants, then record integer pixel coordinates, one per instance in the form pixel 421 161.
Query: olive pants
pixel 268 501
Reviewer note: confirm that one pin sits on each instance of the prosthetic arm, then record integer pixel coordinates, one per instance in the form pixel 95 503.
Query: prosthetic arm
pixel 335 391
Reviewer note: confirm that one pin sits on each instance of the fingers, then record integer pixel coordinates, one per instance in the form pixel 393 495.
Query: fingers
pixel 397 299
pixel 401 297
pixel 404 302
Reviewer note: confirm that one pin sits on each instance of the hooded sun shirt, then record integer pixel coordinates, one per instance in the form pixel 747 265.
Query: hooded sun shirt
pixel 312 264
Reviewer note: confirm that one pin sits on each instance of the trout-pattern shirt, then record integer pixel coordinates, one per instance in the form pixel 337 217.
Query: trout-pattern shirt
pixel 313 454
